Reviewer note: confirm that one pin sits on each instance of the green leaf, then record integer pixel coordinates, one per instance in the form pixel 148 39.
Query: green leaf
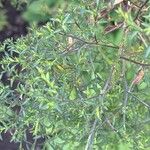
pixel 142 86
pixel 47 122
pixel 124 146
pixel 73 94
pixel 147 52
pixel 48 146
pixel 89 92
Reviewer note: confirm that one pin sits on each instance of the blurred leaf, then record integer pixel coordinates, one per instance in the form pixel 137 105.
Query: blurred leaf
pixel 73 94
pixel 142 86
pixel 124 146
pixel 3 20
pixel 147 52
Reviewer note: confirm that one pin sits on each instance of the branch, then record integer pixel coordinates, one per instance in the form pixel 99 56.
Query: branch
pixel 134 4
pixel 70 49
pixel 91 136
pixel 141 101
pixel 88 42
pixel 133 61
pixel 102 94
pixel 126 94
pixel 143 40
pixel 137 15
pixel 113 128
pixel 106 86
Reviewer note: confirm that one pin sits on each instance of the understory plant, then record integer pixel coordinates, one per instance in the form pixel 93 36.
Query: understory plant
pixel 81 81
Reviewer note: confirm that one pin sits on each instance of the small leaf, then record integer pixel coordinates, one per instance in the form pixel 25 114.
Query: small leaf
pixel 60 67
pixel 98 113
pixel 142 86
pixel 89 92
pixel 73 94
pixel 46 122
pixel 47 76
pixel 66 18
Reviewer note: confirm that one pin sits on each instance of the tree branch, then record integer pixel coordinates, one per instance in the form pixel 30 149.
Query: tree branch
pixel 102 94
pixel 141 101
pixel 133 61
pixel 88 42
pixel 91 136
pixel 125 101
pixel 138 13
pixel 113 128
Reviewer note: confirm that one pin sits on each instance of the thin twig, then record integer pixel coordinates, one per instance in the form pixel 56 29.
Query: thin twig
pixel 112 127
pixel 141 101
pixel 102 95
pixel 133 61
pixel 88 42
pixel 126 94
pixel 34 144
pixel 77 24
pixel 72 50
pixel 127 90
pixel 134 4
pixel 125 108
pixel 77 38
pixel 143 40
pixel 142 123
pixel 138 13
pixel 91 136
pixel 107 84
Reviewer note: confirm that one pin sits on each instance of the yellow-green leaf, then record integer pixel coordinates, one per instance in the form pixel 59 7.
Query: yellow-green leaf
pixel 73 94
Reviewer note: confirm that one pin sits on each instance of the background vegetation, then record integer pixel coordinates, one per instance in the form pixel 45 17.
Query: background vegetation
pixel 81 80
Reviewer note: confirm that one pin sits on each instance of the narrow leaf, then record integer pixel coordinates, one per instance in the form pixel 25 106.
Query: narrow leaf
pixel 147 52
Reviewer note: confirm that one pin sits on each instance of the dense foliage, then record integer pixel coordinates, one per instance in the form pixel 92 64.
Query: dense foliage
pixel 72 80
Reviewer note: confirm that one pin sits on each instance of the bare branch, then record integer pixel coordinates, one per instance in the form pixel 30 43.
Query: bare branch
pixel 102 95
pixel 107 84
pixel 112 127
pixel 91 136
pixel 89 42
pixel 138 13
pixel 143 40
pixel 141 101
pixel 133 61
pixel 126 94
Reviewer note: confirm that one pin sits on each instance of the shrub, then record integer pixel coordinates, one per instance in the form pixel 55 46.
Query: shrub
pixel 72 80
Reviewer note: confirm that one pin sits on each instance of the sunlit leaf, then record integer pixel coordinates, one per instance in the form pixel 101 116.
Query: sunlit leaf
pixel 73 94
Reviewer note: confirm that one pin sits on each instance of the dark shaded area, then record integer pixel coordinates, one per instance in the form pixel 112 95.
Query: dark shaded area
pixel 5 144
pixel 16 25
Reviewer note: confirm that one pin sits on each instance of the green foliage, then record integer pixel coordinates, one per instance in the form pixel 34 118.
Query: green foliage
pixel 41 10
pixel 73 83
